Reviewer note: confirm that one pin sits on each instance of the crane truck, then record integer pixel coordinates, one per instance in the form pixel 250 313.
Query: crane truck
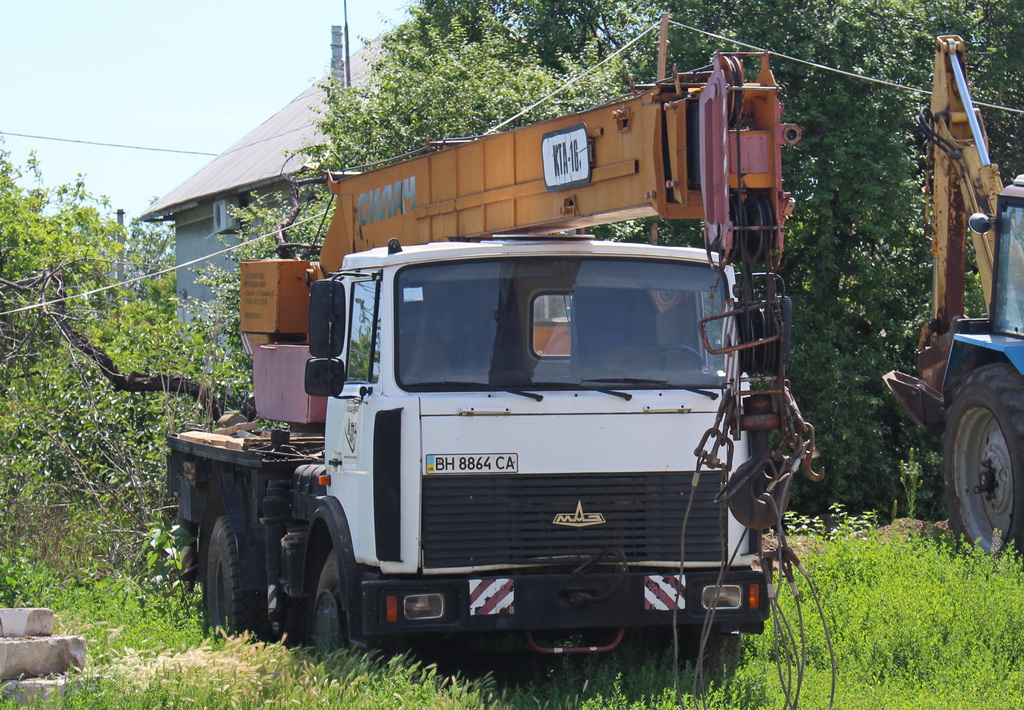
pixel 498 423
pixel 971 388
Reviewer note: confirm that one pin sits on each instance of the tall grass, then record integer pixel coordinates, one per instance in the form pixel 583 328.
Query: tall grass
pixel 915 623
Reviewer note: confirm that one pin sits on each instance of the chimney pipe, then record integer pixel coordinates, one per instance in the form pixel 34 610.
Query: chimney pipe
pixel 339 59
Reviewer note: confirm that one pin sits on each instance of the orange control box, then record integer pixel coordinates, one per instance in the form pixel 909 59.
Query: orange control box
pixel 274 297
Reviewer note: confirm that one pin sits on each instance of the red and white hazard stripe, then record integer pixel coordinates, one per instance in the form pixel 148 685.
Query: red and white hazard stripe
pixel 663 592
pixel 491 596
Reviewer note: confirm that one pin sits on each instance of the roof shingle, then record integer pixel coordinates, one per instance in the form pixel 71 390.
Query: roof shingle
pixel 262 156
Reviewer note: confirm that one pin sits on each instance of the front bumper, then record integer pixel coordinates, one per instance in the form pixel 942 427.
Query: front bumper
pixel 536 602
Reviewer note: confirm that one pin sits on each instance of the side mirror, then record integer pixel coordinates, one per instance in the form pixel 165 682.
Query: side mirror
pixel 327 314
pixel 325 377
pixel 980 222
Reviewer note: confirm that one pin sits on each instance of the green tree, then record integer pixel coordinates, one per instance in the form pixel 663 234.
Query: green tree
pixel 448 76
pixel 83 460
pixel 857 263
pixel 555 32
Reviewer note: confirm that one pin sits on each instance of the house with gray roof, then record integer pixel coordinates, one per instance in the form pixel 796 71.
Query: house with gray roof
pixel 254 167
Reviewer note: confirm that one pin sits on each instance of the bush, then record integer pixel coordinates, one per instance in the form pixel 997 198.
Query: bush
pixel 912 620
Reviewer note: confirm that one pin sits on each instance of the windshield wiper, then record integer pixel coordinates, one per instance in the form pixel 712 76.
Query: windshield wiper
pixel 697 390
pixel 477 386
pixel 523 393
pixel 642 381
pixel 451 383
pixel 626 381
pixel 581 387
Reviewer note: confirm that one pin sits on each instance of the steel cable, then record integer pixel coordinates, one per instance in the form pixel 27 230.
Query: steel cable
pixel 825 67
pixel 152 274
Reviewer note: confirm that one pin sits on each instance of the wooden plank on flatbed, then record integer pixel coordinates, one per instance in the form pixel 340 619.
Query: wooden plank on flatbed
pixel 222 440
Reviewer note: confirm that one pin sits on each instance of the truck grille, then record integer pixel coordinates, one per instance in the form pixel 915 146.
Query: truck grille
pixel 471 520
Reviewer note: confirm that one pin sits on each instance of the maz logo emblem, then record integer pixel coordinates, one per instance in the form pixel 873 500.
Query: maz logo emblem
pixel 350 435
pixel 579 519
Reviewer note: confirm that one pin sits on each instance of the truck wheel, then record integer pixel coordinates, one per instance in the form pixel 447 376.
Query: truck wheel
pixel 293 631
pixel 227 605
pixel 722 654
pixel 982 462
pixel 327 628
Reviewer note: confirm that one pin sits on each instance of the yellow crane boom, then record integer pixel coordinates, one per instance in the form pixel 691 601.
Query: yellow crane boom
pixel 635 157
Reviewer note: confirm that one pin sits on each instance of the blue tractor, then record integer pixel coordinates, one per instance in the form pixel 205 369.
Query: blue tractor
pixel 971 385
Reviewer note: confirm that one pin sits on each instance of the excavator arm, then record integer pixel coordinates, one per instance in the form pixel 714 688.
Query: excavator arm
pixel 971 389
pixel 962 180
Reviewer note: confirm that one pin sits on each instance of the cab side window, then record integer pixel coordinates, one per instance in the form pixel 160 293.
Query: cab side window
pixel 364 333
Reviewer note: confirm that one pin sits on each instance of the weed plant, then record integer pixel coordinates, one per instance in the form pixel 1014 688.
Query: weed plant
pixel 916 622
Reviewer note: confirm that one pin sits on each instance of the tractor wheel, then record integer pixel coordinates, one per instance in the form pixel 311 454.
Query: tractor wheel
pixel 982 462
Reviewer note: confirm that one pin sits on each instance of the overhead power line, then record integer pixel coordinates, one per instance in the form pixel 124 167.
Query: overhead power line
pixel 740 43
pixel 529 108
pixel 154 274
pixel 825 67
pixel 105 145
pixel 573 80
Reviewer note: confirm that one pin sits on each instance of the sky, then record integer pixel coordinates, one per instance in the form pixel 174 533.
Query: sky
pixel 190 76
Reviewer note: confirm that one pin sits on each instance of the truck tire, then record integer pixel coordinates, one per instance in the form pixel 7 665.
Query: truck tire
pixel 721 654
pixel 293 630
pixel 982 464
pixel 326 627
pixel 227 605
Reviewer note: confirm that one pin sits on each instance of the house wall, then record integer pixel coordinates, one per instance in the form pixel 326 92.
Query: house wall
pixel 194 238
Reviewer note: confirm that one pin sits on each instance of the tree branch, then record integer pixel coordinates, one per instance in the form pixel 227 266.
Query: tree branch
pixel 284 249
pixel 135 381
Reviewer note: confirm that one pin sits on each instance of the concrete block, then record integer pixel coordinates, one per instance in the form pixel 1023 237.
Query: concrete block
pixel 26 622
pixel 36 690
pixel 40 656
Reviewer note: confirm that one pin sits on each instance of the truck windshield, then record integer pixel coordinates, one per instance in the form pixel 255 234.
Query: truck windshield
pixel 1008 308
pixel 555 323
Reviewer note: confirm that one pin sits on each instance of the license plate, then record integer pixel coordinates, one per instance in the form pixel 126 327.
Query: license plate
pixel 473 463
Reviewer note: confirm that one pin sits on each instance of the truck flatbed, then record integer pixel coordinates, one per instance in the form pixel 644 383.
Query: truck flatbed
pixel 255 451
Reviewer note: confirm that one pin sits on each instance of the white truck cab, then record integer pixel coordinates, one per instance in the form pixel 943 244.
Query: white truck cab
pixel 518 409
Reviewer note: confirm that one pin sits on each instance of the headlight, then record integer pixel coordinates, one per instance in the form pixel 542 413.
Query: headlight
pixel 728 596
pixel 423 606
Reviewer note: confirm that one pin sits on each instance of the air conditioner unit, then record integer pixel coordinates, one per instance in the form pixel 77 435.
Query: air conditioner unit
pixel 223 220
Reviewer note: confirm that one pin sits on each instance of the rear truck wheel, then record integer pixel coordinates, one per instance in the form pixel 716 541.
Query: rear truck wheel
pixel 326 628
pixel 228 606
pixel 982 462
